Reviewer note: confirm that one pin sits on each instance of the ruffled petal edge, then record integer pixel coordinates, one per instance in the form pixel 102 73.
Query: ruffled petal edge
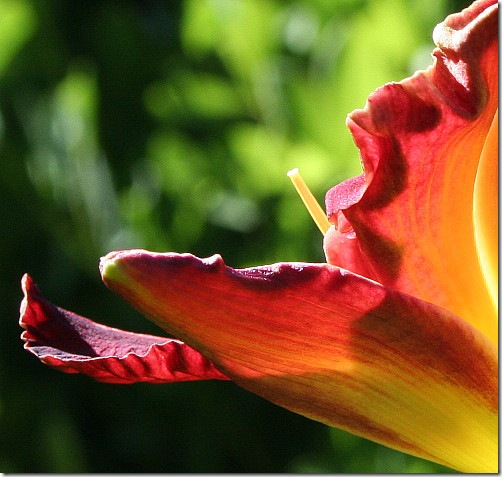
pixel 74 344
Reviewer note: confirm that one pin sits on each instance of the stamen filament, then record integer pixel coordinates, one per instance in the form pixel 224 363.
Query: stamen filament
pixel 309 200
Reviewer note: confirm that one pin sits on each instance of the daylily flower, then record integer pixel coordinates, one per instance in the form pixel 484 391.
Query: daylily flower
pixel 395 337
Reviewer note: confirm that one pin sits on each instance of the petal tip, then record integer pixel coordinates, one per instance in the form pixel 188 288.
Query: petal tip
pixel 29 289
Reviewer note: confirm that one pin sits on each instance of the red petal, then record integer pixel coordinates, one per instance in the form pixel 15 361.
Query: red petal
pixel 74 344
pixel 421 142
pixel 330 345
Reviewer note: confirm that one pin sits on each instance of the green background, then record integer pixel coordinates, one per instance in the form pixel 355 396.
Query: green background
pixel 170 126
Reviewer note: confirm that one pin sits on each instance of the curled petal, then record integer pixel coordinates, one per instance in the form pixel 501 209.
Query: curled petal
pixel 421 140
pixel 74 344
pixel 330 345
pixel 486 211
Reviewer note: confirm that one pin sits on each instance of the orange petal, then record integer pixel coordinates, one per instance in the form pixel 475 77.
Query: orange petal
pixel 486 210
pixel 330 345
pixel 421 141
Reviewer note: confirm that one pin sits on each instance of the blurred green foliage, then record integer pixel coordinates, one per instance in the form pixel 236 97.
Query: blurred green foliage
pixel 170 125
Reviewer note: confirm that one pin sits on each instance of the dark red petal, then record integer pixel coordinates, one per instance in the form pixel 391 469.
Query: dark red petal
pixel 74 344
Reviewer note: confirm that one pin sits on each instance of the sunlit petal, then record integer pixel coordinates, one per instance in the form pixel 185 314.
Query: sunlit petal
pixel 421 141
pixel 330 345
pixel 486 210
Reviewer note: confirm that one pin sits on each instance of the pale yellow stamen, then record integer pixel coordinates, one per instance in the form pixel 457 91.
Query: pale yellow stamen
pixel 312 205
